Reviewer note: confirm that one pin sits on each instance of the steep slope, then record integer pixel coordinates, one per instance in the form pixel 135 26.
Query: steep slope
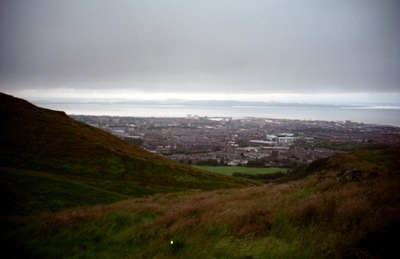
pixel 44 140
pixel 356 165
pixel 364 163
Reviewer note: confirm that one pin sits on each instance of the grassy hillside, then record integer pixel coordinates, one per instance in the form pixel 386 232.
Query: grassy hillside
pixel 49 141
pixel 25 192
pixel 323 215
pixel 372 161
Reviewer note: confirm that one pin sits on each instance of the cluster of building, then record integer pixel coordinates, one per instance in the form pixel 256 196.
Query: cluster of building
pixel 252 141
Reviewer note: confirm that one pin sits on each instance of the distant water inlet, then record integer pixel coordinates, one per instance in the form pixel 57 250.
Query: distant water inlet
pixel 371 115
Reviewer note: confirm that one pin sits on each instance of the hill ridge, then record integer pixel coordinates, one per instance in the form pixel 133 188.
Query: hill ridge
pixel 50 141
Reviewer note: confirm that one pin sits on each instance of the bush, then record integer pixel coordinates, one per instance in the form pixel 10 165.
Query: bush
pixel 208 162
pixel 256 163
pixel 261 177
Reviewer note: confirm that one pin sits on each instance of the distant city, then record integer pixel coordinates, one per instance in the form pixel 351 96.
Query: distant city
pixel 247 141
pixel 367 113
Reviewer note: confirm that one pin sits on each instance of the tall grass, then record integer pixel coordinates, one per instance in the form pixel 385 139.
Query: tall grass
pixel 304 219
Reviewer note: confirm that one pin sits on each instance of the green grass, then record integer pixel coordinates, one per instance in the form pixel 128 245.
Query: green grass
pixel 348 146
pixel 28 193
pixel 132 230
pixel 229 170
pixel 49 141
pixel 364 160
pixel 308 218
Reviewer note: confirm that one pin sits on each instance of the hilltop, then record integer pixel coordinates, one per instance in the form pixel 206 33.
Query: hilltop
pixel 51 148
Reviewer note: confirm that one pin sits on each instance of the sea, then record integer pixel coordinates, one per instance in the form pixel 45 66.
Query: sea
pixel 381 115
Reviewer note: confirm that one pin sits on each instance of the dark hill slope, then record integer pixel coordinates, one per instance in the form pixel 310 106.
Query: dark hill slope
pixel 36 133
pixel 352 166
pixel 369 162
pixel 50 141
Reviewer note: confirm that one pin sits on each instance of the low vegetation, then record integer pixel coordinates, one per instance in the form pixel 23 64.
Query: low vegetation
pixel 349 145
pixel 319 216
pixel 26 192
pixel 265 175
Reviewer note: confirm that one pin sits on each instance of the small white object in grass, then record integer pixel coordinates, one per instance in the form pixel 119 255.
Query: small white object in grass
pixel 172 242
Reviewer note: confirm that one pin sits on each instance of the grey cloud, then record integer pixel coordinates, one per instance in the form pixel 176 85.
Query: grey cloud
pixel 216 46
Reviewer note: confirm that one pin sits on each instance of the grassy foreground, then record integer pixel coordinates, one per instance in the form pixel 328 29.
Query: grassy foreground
pixel 316 217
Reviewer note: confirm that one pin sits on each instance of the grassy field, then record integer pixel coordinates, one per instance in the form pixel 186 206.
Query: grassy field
pixel 229 170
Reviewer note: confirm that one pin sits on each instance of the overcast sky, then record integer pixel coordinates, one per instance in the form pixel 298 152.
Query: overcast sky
pixel 262 50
